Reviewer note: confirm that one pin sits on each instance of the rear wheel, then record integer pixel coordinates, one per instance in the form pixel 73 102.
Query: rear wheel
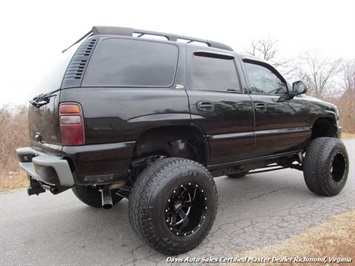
pixel 173 205
pixel 326 166
pixel 92 196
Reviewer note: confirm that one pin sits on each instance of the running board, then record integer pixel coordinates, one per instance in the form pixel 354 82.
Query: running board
pixel 267 169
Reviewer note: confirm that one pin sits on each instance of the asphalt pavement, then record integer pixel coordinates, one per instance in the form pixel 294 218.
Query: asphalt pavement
pixel 255 211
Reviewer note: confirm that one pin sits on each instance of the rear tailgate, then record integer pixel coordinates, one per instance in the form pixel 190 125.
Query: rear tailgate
pixel 43 114
pixel 44 125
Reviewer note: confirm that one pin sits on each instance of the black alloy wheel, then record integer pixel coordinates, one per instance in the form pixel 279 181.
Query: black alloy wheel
pixel 186 209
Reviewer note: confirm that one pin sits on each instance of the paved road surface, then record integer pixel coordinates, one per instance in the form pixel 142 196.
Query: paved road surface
pixel 259 210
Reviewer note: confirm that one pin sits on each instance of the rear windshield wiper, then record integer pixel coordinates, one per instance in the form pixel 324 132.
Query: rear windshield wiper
pixel 42 99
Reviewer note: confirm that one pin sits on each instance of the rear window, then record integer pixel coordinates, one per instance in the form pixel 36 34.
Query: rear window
pixel 136 63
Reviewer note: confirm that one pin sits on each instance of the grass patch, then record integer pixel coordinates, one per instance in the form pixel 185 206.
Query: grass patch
pixel 13 180
pixel 334 239
pixel 345 136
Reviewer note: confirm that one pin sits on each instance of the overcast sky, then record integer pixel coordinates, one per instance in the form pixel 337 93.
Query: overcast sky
pixel 34 32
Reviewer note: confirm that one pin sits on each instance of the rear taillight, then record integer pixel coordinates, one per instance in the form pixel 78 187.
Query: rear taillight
pixel 71 124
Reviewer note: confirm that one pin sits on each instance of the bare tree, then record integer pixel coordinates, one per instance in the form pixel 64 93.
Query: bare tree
pixel 266 49
pixel 318 72
pixel 347 76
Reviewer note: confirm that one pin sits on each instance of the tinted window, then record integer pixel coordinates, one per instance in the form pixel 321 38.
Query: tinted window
pixel 217 74
pixel 121 62
pixel 263 80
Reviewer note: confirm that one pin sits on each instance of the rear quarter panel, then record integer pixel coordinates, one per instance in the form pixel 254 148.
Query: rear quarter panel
pixel 114 115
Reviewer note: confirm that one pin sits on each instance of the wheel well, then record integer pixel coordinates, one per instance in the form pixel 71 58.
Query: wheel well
pixel 173 141
pixel 324 127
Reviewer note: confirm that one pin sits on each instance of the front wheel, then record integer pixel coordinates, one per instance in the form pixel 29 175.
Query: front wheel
pixel 173 205
pixel 326 166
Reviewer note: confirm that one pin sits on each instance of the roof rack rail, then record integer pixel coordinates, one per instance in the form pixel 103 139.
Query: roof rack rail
pixel 104 30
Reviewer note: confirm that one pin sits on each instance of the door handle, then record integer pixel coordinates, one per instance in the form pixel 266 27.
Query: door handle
pixel 260 106
pixel 205 106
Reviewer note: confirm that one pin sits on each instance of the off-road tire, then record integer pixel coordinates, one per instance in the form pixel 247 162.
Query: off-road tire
pixel 160 192
pixel 92 196
pixel 326 166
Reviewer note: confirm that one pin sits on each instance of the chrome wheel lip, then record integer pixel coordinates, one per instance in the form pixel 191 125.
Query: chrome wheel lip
pixel 185 200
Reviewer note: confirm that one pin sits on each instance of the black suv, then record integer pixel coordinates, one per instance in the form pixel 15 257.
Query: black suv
pixel 153 117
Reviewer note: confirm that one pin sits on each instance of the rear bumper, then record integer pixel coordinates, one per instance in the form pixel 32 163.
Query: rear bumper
pixel 78 165
pixel 48 169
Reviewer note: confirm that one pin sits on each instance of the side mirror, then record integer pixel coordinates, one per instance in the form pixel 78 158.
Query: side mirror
pixel 298 88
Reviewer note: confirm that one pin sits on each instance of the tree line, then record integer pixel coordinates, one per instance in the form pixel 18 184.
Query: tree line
pixel 325 77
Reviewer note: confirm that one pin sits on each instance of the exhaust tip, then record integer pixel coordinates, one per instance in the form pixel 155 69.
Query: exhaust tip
pixel 107 206
pixel 106 198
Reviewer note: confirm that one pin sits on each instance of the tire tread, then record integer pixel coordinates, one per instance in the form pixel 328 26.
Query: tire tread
pixel 316 165
pixel 153 176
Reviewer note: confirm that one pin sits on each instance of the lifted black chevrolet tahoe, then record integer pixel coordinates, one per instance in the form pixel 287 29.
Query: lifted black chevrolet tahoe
pixel 153 117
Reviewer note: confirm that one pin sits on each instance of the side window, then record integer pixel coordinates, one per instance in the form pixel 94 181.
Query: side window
pixel 214 73
pixel 263 81
pixel 125 62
